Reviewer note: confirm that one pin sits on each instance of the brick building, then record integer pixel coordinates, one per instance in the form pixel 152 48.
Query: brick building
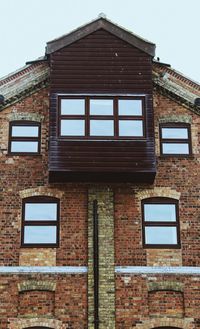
pixel 99 194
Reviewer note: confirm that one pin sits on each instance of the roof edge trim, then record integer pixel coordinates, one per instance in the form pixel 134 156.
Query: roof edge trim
pixel 98 24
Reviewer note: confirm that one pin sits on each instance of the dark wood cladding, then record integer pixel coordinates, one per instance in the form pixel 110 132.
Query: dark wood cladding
pixel 101 64
pixel 98 63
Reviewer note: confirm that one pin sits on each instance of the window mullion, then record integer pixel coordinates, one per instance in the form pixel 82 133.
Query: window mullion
pixel 87 117
pixel 116 117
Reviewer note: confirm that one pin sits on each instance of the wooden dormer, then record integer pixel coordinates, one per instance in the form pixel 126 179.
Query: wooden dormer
pixel 101 112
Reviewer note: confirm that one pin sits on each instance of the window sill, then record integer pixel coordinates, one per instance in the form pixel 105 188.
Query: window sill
pixel 178 156
pixel 23 154
pixel 162 247
pixel 39 246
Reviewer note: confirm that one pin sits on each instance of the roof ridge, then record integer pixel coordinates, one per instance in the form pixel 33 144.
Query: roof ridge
pixel 95 25
pixel 98 19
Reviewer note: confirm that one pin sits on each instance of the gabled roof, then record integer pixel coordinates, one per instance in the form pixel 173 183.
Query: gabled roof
pixel 166 80
pixel 107 25
pixel 23 82
pixel 176 86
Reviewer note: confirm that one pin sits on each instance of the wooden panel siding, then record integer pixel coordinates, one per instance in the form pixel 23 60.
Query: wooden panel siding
pixel 98 63
pixel 101 64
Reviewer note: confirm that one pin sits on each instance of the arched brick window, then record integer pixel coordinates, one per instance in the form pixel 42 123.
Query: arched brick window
pixel 40 222
pixel 24 137
pixel 175 139
pixel 160 219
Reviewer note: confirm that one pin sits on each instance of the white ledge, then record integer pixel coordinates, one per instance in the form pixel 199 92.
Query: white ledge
pixel 185 270
pixel 43 269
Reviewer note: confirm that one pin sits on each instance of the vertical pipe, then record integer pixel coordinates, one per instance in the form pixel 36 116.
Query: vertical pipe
pixel 96 263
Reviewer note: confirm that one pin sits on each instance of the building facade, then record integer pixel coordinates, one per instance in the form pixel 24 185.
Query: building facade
pixel 99 193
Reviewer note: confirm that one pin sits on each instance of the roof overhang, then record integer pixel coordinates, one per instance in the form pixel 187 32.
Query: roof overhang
pixel 101 23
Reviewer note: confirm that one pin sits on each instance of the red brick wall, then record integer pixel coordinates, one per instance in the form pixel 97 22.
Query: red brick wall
pixel 166 303
pixel 132 302
pixel 136 305
pixel 68 303
pixel 36 302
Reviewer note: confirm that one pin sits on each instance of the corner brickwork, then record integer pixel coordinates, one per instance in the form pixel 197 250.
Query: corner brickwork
pixel 104 197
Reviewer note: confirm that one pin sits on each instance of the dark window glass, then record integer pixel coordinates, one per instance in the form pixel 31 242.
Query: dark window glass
pixel 175 139
pixel 40 221
pixel 160 223
pixel 72 127
pixel 130 107
pixel 96 117
pixel 24 137
pixel 101 128
pixel 101 107
pixel 72 106
pixel 131 128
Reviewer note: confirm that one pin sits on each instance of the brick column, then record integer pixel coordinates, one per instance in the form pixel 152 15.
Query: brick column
pixel 104 197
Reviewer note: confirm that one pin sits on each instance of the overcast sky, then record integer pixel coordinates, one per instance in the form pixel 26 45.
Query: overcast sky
pixel 174 25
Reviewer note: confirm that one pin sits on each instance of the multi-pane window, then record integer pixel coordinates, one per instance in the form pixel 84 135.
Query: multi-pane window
pixel 24 137
pixel 97 117
pixel 160 223
pixel 175 139
pixel 40 222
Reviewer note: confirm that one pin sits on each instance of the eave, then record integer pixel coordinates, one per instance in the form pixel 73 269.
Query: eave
pixel 22 83
pixel 31 78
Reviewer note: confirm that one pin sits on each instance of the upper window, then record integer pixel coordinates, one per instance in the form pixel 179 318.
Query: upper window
pixel 175 139
pixel 160 223
pixel 40 222
pixel 24 137
pixel 97 117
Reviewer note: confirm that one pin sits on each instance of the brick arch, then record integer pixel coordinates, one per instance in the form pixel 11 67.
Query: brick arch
pixel 160 323
pixel 38 328
pixel 163 192
pixel 165 285
pixel 176 118
pixel 36 322
pixel 40 191
pixel 32 285
pixel 15 116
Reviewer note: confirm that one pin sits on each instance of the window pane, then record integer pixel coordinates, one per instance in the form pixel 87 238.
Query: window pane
pixel 131 128
pixel 72 106
pixel 160 212
pixel 40 234
pixel 40 211
pixel 175 148
pixel 180 133
pixel 101 107
pixel 130 107
pixel 26 147
pixel 101 128
pixel 160 235
pixel 25 131
pixel 72 127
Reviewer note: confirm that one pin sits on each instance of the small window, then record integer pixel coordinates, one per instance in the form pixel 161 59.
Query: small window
pixel 24 137
pixel 160 223
pixel 98 117
pixel 40 222
pixel 175 139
